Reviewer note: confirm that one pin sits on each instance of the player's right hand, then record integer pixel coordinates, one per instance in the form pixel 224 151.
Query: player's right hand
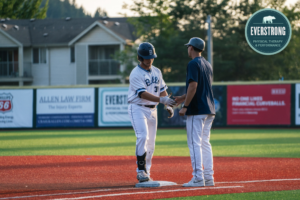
pixel 167 101
pixel 179 99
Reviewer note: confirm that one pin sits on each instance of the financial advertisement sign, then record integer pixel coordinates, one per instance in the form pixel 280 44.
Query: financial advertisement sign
pixel 259 104
pixel 113 107
pixel 70 107
pixel 220 106
pixel 297 104
pixel 16 108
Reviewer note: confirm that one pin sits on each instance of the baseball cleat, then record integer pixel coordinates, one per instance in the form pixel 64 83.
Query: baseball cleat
pixel 194 183
pixel 209 182
pixel 142 177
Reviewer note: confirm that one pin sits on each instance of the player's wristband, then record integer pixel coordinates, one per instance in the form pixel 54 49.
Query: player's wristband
pixel 184 106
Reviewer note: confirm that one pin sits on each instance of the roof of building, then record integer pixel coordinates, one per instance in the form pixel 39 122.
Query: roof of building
pixel 62 31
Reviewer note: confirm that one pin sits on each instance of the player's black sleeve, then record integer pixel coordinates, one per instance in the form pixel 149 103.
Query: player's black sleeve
pixel 192 72
pixel 140 93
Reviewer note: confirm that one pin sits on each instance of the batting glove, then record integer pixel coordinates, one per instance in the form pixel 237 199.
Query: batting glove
pixel 170 111
pixel 167 101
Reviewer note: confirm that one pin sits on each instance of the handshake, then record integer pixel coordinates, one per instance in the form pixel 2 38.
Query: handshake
pixel 166 100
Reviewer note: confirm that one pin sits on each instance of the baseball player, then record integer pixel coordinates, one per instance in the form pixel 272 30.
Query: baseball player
pixel 200 110
pixel 147 88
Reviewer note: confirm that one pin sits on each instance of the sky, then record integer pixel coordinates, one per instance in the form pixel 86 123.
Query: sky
pixel 114 7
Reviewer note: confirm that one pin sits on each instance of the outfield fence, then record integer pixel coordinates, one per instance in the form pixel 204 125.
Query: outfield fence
pixel 238 104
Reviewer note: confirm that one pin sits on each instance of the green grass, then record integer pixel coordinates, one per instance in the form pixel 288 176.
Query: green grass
pixel 169 142
pixel 290 195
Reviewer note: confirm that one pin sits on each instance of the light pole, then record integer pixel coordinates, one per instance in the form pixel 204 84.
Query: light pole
pixel 209 41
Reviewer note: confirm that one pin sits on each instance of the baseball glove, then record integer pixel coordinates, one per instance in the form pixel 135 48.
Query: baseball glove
pixel 170 111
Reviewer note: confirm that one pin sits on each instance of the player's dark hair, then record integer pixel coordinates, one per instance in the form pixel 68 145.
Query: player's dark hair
pixel 140 58
pixel 196 49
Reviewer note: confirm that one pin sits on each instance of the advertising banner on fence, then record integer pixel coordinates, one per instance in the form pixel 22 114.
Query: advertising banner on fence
pixel 297 104
pixel 259 104
pixel 16 108
pixel 176 120
pixel 113 107
pixel 70 107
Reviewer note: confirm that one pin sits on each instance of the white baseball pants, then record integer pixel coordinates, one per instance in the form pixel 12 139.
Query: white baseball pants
pixel 144 122
pixel 198 135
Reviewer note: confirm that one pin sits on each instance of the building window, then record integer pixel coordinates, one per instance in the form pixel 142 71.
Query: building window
pixel 72 50
pixel 35 55
pixel 39 55
pixel 101 61
pixel 9 65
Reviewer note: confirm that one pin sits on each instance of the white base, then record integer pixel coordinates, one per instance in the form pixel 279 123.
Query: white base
pixel 155 184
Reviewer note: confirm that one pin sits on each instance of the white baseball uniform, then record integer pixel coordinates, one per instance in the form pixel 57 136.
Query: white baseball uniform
pixel 144 119
pixel 198 136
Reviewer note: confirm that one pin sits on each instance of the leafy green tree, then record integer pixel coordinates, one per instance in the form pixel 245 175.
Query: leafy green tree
pixel 127 57
pixel 235 60
pixel 23 9
pixel 168 24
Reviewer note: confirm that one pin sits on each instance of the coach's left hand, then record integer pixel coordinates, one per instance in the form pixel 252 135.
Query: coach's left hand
pixel 182 111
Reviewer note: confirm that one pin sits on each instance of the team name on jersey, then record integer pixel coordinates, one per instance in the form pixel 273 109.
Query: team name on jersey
pixel 153 80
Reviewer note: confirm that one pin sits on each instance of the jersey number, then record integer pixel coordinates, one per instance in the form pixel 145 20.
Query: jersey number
pixel 155 88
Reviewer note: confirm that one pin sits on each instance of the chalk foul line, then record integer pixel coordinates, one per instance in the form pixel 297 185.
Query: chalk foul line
pixel 111 190
pixel 258 181
pixel 68 193
pixel 159 191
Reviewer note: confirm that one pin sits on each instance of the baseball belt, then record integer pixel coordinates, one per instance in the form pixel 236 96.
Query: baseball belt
pixel 148 106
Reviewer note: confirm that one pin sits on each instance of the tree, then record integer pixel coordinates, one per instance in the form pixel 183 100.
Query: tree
pixel 235 60
pixel 100 13
pixel 127 57
pixel 66 8
pixel 169 24
pixel 23 9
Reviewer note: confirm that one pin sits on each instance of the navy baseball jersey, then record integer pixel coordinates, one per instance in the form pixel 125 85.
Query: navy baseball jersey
pixel 200 71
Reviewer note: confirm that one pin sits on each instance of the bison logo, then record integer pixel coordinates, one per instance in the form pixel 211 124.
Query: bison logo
pixel 268 20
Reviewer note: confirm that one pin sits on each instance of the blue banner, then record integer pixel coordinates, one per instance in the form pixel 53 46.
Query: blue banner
pixel 179 121
pixel 65 120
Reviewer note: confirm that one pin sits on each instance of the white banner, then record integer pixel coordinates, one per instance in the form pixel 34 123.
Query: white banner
pixel 65 101
pixel 113 107
pixel 297 104
pixel 16 107
pixel 70 107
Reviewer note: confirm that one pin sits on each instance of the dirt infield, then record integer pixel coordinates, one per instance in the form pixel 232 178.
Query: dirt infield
pixel 114 177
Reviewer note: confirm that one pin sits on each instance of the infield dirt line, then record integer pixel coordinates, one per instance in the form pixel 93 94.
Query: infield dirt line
pixel 160 191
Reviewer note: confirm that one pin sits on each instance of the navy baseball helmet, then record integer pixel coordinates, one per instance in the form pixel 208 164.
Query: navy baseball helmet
pixel 196 42
pixel 146 50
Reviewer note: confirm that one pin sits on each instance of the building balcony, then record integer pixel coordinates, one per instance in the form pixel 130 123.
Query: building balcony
pixel 10 72
pixel 104 67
